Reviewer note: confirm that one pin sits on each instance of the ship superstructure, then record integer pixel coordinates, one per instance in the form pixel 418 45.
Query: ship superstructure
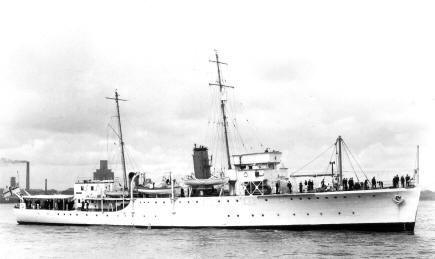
pixel 254 191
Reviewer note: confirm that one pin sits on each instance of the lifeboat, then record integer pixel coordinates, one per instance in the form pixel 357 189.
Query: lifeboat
pixel 209 181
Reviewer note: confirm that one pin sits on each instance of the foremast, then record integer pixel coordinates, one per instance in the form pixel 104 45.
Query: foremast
pixel 121 140
pixel 224 116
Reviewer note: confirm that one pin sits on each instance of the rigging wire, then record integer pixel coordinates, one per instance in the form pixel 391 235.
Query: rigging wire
pixel 313 159
pixel 350 162
pixel 355 160
pixel 327 167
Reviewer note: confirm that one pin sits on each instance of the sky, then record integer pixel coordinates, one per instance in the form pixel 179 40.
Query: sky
pixel 304 72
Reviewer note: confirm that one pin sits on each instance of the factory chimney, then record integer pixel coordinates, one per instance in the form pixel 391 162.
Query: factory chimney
pixel 28 175
pixel 46 186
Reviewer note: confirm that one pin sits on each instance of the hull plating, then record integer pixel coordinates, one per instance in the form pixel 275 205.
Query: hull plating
pixel 361 210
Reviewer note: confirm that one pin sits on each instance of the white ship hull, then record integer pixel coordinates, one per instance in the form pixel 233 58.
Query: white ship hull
pixel 370 209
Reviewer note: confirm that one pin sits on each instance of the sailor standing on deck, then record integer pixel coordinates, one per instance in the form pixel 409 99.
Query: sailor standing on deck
pixel 345 184
pixel 289 186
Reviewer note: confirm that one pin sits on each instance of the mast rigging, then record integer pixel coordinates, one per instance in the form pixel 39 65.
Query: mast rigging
pixel 224 116
pixel 121 141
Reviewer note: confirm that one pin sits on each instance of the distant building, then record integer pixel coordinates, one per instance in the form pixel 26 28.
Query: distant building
pixel 103 173
pixel 13 181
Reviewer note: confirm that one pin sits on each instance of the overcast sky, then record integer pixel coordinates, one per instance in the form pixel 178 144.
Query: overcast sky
pixel 304 72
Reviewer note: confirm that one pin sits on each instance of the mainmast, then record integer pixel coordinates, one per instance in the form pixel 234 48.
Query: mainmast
pixel 121 141
pixel 340 164
pixel 224 117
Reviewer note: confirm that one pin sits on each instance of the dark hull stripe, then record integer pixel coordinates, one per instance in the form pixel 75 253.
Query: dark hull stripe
pixel 372 227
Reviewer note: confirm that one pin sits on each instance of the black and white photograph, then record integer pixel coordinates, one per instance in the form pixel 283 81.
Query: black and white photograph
pixel 217 129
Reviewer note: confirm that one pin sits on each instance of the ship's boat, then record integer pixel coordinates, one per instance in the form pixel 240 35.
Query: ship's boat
pixel 119 193
pixel 159 191
pixel 202 182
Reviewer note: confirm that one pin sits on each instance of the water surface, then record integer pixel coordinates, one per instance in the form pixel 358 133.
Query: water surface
pixel 35 241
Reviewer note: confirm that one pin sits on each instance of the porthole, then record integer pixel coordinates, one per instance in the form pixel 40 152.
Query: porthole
pixel 228 200
pixel 321 214
pixel 277 214
pixel 374 195
pixel 156 202
pixel 252 215
pixel 188 201
pixel 300 198
pixel 265 199
pixel 237 215
pixel 219 200
pixel 86 214
pixel 228 216
pixel 163 202
pixel 317 198
pixel 359 196
pixel 196 201
pixel 237 200
pixel 291 198
pixel 57 213
pixel 294 214
pixel 308 214
pixel 326 198
pixel 344 197
pixel 353 212
pixel 339 213
pixel 309 198
pixel 335 197
pixel 262 215
pixel 96 215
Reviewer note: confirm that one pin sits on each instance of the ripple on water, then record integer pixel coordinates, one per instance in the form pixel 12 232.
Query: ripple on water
pixel 100 241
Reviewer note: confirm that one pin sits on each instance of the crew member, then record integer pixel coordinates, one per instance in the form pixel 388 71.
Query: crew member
pixel 277 187
pixel 289 186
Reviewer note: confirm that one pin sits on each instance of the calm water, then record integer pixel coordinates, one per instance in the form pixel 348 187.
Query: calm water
pixel 26 241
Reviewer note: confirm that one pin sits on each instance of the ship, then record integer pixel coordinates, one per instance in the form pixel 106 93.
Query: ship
pixel 254 191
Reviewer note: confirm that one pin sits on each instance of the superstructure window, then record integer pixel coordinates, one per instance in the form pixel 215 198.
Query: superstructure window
pixel 92 188
pixel 82 188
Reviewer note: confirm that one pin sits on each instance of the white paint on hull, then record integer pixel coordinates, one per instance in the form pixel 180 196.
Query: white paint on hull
pixel 352 207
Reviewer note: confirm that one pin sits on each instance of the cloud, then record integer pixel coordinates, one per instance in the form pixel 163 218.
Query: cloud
pixel 300 81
